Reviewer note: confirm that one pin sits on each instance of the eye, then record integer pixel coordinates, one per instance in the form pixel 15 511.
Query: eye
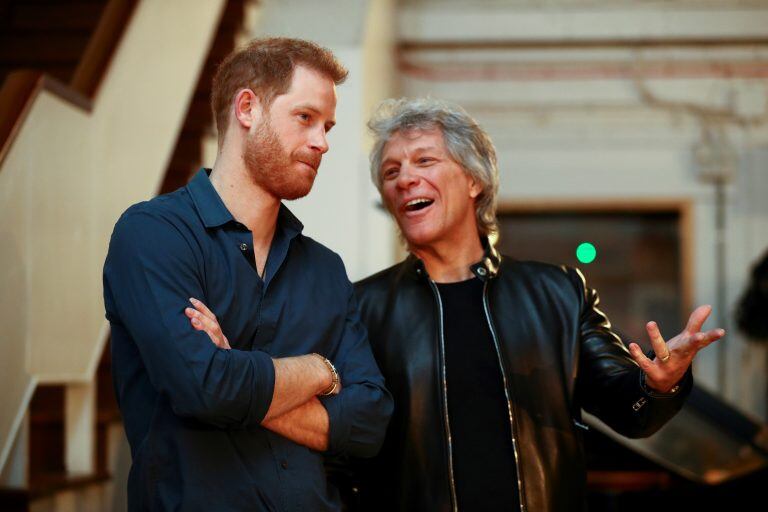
pixel 425 160
pixel 390 173
pixel 304 117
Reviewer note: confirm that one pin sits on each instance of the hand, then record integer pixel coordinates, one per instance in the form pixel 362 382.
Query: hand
pixel 674 357
pixel 203 319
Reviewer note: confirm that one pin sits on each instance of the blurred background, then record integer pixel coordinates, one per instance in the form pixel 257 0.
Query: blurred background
pixel 633 143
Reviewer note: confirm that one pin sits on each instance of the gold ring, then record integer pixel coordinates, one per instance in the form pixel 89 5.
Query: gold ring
pixel 666 357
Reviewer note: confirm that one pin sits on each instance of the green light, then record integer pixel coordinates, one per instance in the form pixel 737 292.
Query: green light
pixel 586 252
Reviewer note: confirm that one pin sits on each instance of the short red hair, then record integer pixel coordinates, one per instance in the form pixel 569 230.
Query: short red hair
pixel 266 67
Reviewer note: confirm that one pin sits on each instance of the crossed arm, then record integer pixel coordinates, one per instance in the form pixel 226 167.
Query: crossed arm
pixel 295 412
pixel 150 270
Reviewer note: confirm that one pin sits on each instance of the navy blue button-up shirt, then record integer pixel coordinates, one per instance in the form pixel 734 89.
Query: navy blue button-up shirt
pixel 192 411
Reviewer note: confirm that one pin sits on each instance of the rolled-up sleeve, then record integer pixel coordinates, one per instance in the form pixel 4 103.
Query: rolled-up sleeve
pixel 360 413
pixel 150 273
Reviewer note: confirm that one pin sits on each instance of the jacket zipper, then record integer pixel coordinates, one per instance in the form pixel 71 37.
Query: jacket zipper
pixel 446 420
pixel 510 407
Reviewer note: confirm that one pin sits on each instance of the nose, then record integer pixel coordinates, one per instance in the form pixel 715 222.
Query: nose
pixel 319 140
pixel 407 178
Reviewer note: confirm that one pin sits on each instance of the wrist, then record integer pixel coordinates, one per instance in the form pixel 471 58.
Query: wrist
pixel 331 386
pixel 654 389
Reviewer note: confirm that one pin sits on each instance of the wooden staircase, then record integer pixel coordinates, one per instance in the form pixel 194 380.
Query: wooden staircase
pixel 52 38
pixel 70 42
pixel 48 474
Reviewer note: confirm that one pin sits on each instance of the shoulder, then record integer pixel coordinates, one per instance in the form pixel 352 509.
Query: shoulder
pixel 543 275
pixel 322 262
pixel 533 269
pixel 163 224
pixel 167 210
pixel 377 292
pixel 319 253
pixel 380 282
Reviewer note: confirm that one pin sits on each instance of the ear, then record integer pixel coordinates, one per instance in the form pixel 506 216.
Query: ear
pixel 247 108
pixel 475 189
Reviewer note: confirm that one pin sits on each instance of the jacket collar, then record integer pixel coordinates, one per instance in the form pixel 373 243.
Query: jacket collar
pixel 486 268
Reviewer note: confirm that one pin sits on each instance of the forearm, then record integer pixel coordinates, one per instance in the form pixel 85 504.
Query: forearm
pixel 306 424
pixel 297 381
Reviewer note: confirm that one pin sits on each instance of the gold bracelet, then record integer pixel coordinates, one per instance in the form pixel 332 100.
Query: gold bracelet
pixel 334 376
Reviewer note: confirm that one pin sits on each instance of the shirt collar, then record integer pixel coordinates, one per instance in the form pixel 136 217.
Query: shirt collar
pixel 288 221
pixel 209 205
pixel 214 212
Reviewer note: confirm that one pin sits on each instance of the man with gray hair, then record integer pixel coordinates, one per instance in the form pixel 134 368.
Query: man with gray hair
pixel 491 360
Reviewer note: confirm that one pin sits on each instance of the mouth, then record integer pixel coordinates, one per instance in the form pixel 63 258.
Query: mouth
pixel 418 204
pixel 311 166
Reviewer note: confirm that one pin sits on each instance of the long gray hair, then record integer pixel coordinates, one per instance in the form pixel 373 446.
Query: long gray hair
pixel 467 144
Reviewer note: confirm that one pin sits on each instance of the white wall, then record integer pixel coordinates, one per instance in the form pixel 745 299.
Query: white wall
pixel 340 212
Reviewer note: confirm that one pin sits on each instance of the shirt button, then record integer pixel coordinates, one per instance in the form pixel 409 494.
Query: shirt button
pixel 284 464
pixel 243 247
pixel 481 271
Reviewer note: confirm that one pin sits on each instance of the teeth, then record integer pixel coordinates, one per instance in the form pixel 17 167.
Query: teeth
pixel 417 201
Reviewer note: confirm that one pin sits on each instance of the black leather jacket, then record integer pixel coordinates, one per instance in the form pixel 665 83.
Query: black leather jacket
pixel 557 355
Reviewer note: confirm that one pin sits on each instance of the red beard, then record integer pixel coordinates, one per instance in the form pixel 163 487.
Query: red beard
pixel 270 166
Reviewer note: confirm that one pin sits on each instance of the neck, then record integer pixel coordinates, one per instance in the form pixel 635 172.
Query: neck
pixel 449 262
pixel 246 201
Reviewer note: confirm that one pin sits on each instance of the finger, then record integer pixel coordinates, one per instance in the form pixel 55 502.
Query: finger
pixel 192 315
pixel 200 327
pixel 697 318
pixel 198 318
pixel 705 338
pixel 657 342
pixel 641 359
pixel 211 327
pixel 202 308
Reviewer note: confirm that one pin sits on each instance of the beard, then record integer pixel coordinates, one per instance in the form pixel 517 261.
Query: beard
pixel 269 165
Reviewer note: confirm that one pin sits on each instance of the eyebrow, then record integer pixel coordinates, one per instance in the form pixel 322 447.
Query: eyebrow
pixel 306 106
pixel 415 152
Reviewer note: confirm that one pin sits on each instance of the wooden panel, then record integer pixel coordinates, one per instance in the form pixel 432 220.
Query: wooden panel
pixel 59 16
pixel 56 53
pixel 24 48
pixel 101 46
pixel 46 435
pixel 640 269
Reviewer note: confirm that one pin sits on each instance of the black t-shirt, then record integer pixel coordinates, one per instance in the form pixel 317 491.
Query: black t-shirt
pixel 483 456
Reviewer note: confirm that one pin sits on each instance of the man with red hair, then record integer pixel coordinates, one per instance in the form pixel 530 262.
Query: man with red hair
pixel 242 423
